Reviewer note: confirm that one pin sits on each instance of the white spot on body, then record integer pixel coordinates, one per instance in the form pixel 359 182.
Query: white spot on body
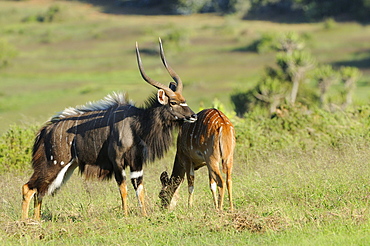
pixel 62 163
pixel 51 157
pixel 183 104
pixel 55 162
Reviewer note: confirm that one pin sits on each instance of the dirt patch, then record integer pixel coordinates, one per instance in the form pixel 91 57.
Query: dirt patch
pixel 255 223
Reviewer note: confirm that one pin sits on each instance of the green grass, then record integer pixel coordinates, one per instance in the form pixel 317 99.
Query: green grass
pixel 296 180
pixel 286 197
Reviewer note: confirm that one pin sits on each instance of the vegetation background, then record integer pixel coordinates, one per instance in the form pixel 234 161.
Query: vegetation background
pixel 301 171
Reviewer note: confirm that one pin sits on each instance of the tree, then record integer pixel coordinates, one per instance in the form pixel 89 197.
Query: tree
pixel 295 64
pixel 349 76
pixel 271 91
pixel 325 77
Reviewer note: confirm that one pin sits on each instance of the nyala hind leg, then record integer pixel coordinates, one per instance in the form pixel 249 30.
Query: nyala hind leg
pixel 37 207
pixel 28 194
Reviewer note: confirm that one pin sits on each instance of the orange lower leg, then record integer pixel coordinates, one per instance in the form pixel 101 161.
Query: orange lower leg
pixel 229 184
pixel 141 198
pixel 27 196
pixel 123 191
pixel 37 214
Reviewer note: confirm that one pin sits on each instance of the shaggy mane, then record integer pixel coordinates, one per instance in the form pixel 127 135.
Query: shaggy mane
pixel 111 100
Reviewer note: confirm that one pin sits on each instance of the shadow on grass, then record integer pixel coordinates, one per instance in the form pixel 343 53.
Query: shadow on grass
pixel 361 63
pixel 128 7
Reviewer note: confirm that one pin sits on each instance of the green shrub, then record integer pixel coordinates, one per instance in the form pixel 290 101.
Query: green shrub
pixel 16 148
pixel 188 6
pixel 266 43
pixel 53 13
pixel 176 38
pixel 7 52
pixel 242 102
pixel 299 127
pixel 329 23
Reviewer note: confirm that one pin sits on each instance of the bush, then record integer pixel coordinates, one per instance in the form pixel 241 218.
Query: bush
pixel 299 127
pixel 7 53
pixel 176 38
pixel 16 148
pixel 266 43
pixel 242 102
pixel 185 7
pixel 53 13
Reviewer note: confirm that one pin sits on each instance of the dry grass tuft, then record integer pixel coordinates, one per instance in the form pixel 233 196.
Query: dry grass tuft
pixel 30 228
pixel 255 223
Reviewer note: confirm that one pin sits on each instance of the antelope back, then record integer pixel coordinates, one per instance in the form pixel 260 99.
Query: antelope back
pixel 211 128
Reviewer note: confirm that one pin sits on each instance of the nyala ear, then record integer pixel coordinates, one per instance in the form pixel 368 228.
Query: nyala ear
pixel 162 98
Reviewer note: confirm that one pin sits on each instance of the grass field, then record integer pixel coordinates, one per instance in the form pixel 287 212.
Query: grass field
pixel 287 197
pixel 282 196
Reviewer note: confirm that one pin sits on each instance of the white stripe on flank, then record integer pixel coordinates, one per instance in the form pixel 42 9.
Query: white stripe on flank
pixel 191 138
pixel 136 174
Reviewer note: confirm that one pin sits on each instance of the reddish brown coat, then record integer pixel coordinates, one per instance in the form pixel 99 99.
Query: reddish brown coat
pixel 207 142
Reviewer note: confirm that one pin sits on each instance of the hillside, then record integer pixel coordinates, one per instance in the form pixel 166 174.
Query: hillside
pixel 87 50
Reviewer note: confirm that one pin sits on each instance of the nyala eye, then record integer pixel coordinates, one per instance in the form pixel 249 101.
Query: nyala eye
pixel 173 103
